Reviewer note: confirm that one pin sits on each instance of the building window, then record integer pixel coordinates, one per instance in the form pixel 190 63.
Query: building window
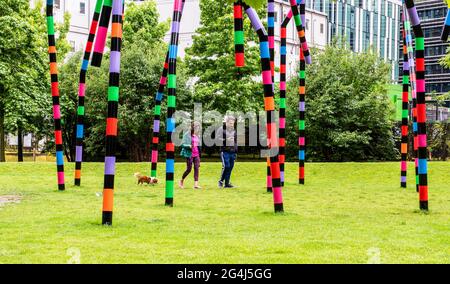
pixel 82 8
pixel 307 24
pixel 275 17
pixel 56 4
pixel 321 28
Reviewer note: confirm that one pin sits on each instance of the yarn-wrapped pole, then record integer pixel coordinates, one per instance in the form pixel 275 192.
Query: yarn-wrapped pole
pixel 269 106
pixel 300 31
pixel 238 34
pixel 446 26
pixel 421 107
pixel 157 112
pixel 55 94
pixel 412 80
pixel 271 34
pixel 113 106
pixel 302 108
pixel 82 93
pixel 171 102
pixel 405 100
pixel 102 33
pixel 282 130
pixel 271 38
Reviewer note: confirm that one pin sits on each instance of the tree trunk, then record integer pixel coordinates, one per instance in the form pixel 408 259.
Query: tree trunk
pixel 2 137
pixel 19 143
pixel 34 145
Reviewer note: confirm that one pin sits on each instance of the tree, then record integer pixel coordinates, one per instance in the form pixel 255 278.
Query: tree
pixel 141 24
pixel 348 115
pixel 141 64
pixel 220 86
pixel 24 83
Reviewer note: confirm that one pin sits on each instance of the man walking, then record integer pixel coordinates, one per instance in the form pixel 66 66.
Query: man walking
pixel 227 136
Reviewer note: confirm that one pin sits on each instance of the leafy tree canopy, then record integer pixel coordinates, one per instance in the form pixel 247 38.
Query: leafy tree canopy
pixel 220 85
pixel 348 113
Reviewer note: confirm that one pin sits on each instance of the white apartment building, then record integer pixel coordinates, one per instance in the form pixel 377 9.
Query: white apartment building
pixel 81 12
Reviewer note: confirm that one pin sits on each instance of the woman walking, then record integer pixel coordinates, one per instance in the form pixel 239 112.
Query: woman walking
pixel 190 149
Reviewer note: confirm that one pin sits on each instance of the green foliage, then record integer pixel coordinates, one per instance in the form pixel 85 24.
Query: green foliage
pixel 141 66
pixel 141 24
pixel 348 114
pixel 439 139
pixel 24 78
pixel 253 3
pixel 220 85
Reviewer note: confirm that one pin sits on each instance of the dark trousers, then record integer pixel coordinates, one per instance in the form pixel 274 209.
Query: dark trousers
pixel 228 159
pixel 189 162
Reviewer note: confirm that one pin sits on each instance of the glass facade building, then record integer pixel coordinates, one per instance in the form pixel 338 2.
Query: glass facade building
pixel 365 24
pixel 432 14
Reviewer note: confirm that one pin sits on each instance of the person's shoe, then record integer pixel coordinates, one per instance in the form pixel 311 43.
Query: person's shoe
pixel 180 184
pixel 220 184
pixel 229 186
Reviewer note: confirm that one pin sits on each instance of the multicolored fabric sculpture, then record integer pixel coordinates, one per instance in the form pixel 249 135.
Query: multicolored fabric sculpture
pixel 102 33
pixel 82 93
pixel 171 101
pixel 421 107
pixel 157 111
pixel 113 105
pixel 405 109
pixel 446 27
pixel 302 107
pixel 55 94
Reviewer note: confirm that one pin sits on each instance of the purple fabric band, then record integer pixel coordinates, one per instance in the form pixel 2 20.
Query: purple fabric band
pixel 412 12
pixel 114 66
pixel 117 7
pixel 156 125
pixel 110 165
pixel 78 153
pixel 254 19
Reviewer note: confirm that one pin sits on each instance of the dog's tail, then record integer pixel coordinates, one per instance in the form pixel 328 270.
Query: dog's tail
pixel 137 175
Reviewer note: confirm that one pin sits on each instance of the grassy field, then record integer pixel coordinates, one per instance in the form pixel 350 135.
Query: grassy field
pixel 346 213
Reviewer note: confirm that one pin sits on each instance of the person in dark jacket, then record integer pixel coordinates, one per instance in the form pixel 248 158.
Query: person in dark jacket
pixel 227 135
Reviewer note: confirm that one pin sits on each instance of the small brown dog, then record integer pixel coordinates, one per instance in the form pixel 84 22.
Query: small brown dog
pixel 145 179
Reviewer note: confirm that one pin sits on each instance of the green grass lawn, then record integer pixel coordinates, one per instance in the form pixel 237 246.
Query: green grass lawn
pixel 343 214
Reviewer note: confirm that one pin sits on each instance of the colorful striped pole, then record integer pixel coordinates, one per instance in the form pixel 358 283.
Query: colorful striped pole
pixel 55 94
pixel 421 107
pixel 271 34
pixel 113 105
pixel 446 27
pixel 300 31
pixel 405 101
pixel 271 37
pixel 157 111
pixel 238 34
pixel 268 176
pixel 269 106
pixel 157 116
pixel 171 102
pixel 102 32
pixel 282 129
pixel 82 92
pixel 412 80
pixel 302 109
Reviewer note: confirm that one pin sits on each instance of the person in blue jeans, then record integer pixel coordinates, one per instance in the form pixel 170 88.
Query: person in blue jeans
pixel 227 136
